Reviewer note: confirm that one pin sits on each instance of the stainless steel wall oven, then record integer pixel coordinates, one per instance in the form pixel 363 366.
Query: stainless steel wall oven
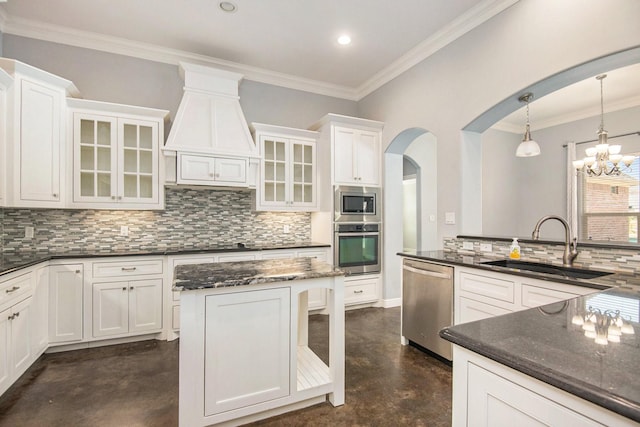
pixel 357 248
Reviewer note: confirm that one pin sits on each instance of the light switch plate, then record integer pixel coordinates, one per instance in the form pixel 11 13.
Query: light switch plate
pixel 28 232
pixel 467 246
pixel 124 230
pixel 450 218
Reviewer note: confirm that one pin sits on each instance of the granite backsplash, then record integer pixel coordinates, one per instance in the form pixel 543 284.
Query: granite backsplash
pixel 192 218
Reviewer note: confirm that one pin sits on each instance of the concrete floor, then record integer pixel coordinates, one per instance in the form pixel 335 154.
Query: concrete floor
pixel 137 384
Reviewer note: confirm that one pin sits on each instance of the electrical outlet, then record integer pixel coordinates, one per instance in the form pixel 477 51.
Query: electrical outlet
pixel 485 247
pixel 124 230
pixel 285 229
pixel 29 232
pixel 432 218
pixel 467 246
pixel 450 218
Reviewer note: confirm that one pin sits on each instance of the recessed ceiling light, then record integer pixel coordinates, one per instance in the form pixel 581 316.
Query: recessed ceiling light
pixel 227 6
pixel 344 39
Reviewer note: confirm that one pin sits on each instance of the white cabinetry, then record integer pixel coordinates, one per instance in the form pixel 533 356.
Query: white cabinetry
pixel 35 150
pixel 352 146
pixel 17 339
pixel 207 170
pixel 361 289
pixel 126 297
pixel 232 321
pixel 486 393
pixel 116 156
pixel 65 303
pixel 5 82
pixel 287 177
pixel 480 294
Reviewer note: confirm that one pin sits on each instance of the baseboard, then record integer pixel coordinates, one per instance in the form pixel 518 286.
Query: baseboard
pixel 392 302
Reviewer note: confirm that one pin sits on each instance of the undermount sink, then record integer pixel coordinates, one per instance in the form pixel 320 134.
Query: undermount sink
pixel 575 273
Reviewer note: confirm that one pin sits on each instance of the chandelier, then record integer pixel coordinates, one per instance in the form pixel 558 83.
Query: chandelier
pixel 603 326
pixel 603 158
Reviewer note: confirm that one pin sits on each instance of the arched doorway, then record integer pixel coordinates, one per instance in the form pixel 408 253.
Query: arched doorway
pixel 419 147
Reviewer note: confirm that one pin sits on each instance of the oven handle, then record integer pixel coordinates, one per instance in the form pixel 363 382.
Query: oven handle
pixel 427 272
pixel 357 233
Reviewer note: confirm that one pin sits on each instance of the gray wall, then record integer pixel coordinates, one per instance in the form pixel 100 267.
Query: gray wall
pixel 516 192
pixel 121 79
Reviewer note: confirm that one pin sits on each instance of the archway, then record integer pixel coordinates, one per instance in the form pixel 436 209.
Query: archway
pixel 420 146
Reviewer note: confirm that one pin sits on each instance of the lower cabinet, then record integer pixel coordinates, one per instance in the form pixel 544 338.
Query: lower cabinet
pixel 479 294
pixel 16 352
pixel 121 308
pixel 65 303
pixel 489 394
pixel 361 290
pixel 233 320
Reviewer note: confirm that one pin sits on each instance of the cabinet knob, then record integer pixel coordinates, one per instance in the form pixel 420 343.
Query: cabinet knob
pixel 130 288
pixel 124 288
pixel 77 271
pixel 217 175
pixel 119 197
pixel 11 317
pixel 113 197
pixel 211 174
pixel 55 196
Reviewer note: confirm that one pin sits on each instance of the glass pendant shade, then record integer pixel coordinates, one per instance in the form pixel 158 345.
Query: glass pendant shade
pixel 528 147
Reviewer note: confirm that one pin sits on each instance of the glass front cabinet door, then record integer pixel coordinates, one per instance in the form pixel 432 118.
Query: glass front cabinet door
pixel 115 162
pixel 287 178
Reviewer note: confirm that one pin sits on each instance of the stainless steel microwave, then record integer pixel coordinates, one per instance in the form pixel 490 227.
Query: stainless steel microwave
pixel 357 204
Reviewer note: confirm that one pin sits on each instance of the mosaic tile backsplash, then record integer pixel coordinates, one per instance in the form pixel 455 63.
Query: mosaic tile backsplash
pixel 619 259
pixel 192 219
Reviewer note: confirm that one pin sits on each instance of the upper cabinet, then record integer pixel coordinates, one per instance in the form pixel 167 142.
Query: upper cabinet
pixel 352 146
pixel 287 175
pixel 116 156
pixel 5 82
pixel 34 148
pixel 209 142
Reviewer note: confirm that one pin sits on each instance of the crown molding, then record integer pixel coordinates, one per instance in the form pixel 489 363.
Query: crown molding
pixel 454 30
pixel 85 39
pixel 89 40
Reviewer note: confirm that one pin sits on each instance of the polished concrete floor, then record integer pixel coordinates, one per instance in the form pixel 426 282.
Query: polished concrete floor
pixel 137 384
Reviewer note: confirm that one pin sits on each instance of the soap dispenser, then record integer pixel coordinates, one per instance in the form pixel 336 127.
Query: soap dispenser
pixel 514 250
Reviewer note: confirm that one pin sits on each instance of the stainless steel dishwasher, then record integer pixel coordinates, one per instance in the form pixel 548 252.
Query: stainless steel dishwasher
pixel 427 304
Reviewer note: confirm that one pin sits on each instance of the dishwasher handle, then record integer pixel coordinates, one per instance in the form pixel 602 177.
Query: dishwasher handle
pixel 427 272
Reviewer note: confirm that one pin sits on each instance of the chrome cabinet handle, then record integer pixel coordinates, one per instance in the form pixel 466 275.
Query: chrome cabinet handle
pixel 15 288
pixel 128 268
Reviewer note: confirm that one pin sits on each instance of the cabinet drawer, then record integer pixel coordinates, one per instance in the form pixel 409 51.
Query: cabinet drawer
pixel 534 296
pixel 127 268
pixel 490 287
pixel 360 291
pixel 15 287
pixel 471 310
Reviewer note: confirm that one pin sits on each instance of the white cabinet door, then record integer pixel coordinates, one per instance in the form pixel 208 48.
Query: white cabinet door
pixel 145 305
pixel 21 330
pixel 302 170
pixel 367 158
pixel 40 336
pixel 237 328
pixel 65 303
pixel 344 160
pixel 5 350
pixel 95 157
pixel 197 168
pixel 274 175
pixel 494 402
pixel 138 164
pixel 230 170
pixel 40 119
pixel 110 308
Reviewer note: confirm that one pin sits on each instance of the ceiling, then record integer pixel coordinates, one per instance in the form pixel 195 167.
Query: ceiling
pixel 290 43
pixel 579 101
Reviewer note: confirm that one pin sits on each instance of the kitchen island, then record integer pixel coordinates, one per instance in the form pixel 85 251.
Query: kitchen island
pixel 244 351
pixel 536 366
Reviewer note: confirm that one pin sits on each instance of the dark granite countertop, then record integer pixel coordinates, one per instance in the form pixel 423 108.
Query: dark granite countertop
pixel 10 262
pixel 217 275
pixel 544 343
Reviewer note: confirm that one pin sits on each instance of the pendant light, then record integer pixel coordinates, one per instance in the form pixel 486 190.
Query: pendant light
pixel 528 147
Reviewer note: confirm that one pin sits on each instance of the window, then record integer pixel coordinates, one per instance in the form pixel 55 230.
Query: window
pixel 610 206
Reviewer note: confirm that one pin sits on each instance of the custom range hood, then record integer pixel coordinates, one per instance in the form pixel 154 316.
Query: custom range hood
pixel 209 142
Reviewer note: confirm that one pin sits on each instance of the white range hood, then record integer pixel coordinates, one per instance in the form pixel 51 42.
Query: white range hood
pixel 209 142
